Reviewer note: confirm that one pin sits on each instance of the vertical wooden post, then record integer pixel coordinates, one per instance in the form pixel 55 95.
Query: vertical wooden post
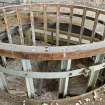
pixel 82 25
pixel 45 23
pixel 3 83
pixel 70 24
pixel 67 79
pixel 32 26
pixel 29 81
pixel 57 24
pixel 61 82
pixel 94 74
pixel 94 26
pixel 7 26
pixel 20 26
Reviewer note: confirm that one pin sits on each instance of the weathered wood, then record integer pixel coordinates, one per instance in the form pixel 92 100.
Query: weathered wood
pixel 82 25
pixel 57 24
pixel 32 26
pixel 7 26
pixel 67 78
pixel 61 81
pixel 29 81
pixel 45 22
pixel 3 83
pixel 70 25
pixel 50 75
pixel 20 25
pixel 95 25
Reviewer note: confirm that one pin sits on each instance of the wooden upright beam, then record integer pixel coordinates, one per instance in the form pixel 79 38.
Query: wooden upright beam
pixel 67 79
pixel 70 25
pixel 7 26
pixel 57 24
pixel 29 81
pixel 45 23
pixel 82 25
pixel 3 83
pixel 32 25
pixel 94 26
pixel 20 25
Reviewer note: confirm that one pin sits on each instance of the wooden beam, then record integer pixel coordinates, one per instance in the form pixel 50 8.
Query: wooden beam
pixel 20 25
pixel 94 26
pixel 32 26
pixel 70 25
pixel 57 24
pixel 3 83
pixel 67 79
pixel 45 23
pixel 7 26
pixel 82 25
pixel 29 81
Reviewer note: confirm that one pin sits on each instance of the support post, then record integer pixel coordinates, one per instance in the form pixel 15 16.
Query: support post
pixel 29 81
pixel 63 84
pixel 70 25
pixel 3 83
pixel 95 73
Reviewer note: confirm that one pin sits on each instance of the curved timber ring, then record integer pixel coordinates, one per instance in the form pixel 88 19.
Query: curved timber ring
pixel 44 23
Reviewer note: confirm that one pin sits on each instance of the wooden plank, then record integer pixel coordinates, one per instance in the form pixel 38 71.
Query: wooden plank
pixel 32 26
pixel 95 73
pixel 7 26
pixel 61 81
pixel 29 81
pixel 45 23
pixel 94 26
pixel 82 25
pixel 55 52
pixel 43 75
pixel 57 24
pixel 67 79
pixel 70 25
pixel 20 25
pixel 3 83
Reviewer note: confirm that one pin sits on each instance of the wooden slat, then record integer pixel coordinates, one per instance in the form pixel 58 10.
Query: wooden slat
pixel 50 75
pixel 61 81
pixel 67 79
pixel 7 26
pixel 94 26
pixel 29 81
pixel 55 53
pixel 20 25
pixel 70 25
pixel 3 83
pixel 57 24
pixel 45 22
pixel 82 25
pixel 32 26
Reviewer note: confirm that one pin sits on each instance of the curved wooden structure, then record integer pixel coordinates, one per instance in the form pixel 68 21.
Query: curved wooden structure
pixel 44 22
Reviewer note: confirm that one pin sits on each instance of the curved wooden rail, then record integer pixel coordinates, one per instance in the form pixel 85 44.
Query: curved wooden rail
pixel 51 13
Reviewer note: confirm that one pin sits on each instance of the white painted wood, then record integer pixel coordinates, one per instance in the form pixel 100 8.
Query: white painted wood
pixel 67 79
pixel 61 81
pixel 32 26
pixel 3 83
pixel 29 81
